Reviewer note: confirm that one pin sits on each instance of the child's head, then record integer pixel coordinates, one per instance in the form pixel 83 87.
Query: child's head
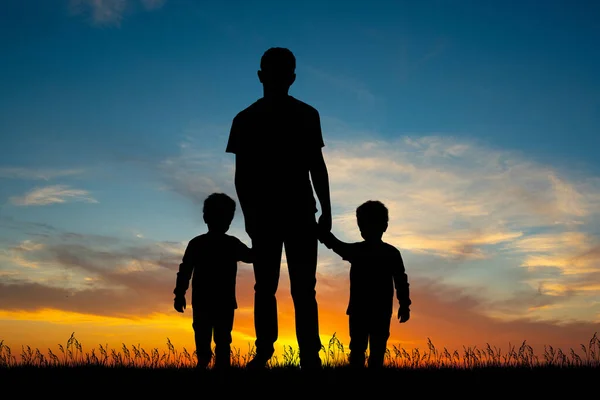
pixel 218 210
pixel 277 69
pixel 372 218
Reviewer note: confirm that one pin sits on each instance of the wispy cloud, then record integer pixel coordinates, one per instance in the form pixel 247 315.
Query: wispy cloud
pixel 118 278
pixel 110 12
pixel 461 201
pixel 51 195
pixel 100 275
pixel 509 242
pixel 444 193
pixel 452 202
pixel 45 174
pixel 345 83
pixel 109 276
pixel 447 197
pixel 152 4
pixel 571 252
pixel 409 60
pixel 197 172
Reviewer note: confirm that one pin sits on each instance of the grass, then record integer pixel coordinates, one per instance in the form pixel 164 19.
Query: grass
pixel 334 355
pixel 433 370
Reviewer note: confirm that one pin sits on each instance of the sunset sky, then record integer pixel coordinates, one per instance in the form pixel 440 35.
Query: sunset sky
pixel 476 122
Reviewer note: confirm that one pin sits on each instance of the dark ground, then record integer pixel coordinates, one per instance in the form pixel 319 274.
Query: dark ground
pixel 93 382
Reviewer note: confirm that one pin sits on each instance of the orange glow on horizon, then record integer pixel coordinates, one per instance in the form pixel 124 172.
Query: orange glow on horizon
pixel 48 328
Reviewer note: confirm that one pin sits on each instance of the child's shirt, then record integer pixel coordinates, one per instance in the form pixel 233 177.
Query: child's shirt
pixel 376 269
pixel 210 261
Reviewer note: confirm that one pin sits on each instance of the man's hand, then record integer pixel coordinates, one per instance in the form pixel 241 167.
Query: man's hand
pixel 325 222
pixel 324 237
pixel 179 303
pixel 403 315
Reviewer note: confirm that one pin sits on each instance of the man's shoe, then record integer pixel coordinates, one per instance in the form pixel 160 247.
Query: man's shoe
pixel 202 363
pixel 311 364
pixel 258 362
pixel 222 366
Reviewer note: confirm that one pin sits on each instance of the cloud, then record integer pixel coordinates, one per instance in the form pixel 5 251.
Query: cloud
pixel 345 83
pixel 196 172
pixel 451 199
pixel 36 174
pixel 451 316
pixel 92 274
pixel 133 278
pixel 497 246
pixel 110 12
pixel 28 227
pixel 444 195
pixel 571 252
pixel 153 4
pixel 52 195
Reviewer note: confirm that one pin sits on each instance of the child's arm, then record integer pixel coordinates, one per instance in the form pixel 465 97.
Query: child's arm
pixel 183 278
pixel 245 254
pixel 330 241
pixel 402 289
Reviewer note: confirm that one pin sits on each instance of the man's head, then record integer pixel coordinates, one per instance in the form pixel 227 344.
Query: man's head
pixel 277 70
pixel 372 218
pixel 218 210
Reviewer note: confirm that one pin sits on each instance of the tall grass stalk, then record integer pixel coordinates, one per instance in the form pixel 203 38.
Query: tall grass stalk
pixel 335 354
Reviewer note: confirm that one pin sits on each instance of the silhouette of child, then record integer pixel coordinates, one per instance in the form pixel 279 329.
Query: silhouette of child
pixel 376 268
pixel 212 259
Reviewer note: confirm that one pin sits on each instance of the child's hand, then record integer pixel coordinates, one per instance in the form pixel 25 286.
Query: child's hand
pixel 320 235
pixel 403 314
pixel 179 304
pixel 323 234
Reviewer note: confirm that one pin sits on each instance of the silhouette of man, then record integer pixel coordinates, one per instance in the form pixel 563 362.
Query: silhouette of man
pixel 376 268
pixel 212 259
pixel 277 143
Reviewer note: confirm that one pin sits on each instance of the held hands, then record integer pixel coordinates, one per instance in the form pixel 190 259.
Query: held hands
pixel 403 314
pixel 324 226
pixel 324 237
pixel 325 221
pixel 179 304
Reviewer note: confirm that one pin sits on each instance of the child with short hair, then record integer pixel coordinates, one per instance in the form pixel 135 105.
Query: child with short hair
pixel 376 268
pixel 212 260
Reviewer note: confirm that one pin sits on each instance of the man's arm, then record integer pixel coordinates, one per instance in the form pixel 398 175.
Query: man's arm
pixel 243 174
pixel 243 188
pixel 320 177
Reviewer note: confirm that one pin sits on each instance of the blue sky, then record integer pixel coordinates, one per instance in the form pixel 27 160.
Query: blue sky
pixel 476 121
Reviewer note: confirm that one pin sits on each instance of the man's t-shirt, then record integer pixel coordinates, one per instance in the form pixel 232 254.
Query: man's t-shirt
pixel 210 260
pixel 273 142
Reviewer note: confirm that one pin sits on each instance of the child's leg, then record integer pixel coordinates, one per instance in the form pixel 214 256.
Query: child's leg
pixel 358 340
pixel 379 334
pixel 223 327
pixel 202 325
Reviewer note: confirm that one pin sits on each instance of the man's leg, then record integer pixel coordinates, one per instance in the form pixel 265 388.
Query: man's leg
pixel 379 335
pixel 267 263
pixel 202 325
pixel 223 326
pixel 359 340
pixel 301 252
